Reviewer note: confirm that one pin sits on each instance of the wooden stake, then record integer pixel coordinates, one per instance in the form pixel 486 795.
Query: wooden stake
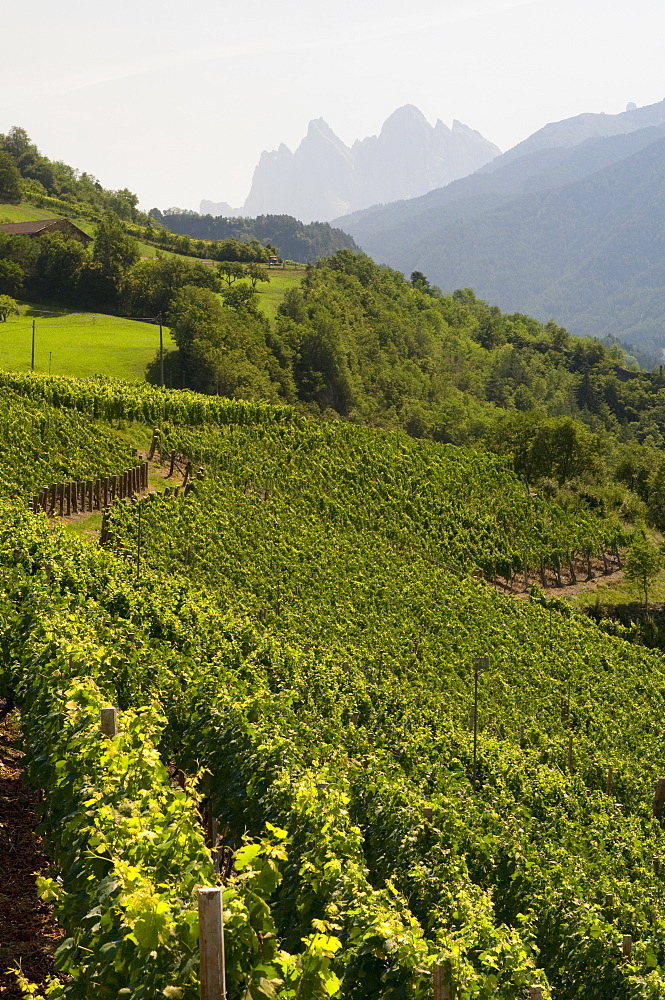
pixel 656 865
pixel 440 985
pixel 571 761
pixel 609 784
pixel 535 992
pixel 609 901
pixel 109 721
pixel 428 813
pixel 522 735
pixel 211 944
pixel 659 798
pixel 153 444
pixel 627 945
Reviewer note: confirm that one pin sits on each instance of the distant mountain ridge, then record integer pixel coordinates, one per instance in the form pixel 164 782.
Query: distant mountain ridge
pixel 292 239
pixel 573 131
pixel 569 231
pixel 324 178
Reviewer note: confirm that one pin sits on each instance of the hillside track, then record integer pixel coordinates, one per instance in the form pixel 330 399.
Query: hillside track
pixel 158 480
pixel 28 933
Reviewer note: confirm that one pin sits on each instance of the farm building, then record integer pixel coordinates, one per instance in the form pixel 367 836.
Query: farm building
pixel 63 226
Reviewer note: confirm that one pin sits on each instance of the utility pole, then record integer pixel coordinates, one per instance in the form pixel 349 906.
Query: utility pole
pixel 138 547
pixel 32 365
pixel 481 664
pixel 161 353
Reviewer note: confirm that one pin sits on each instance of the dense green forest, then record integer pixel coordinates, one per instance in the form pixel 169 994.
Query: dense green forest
pixel 303 242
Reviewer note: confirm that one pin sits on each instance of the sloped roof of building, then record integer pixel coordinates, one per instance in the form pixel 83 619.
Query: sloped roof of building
pixel 27 228
pixel 43 225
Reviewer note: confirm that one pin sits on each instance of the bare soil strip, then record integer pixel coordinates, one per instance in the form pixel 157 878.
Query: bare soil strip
pixel 28 934
pixel 602 573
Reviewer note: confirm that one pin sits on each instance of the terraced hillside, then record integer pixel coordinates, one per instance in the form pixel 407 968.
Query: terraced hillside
pixel 297 648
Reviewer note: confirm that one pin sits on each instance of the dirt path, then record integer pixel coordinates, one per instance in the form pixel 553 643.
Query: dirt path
pixel 28 934
pixel 158 480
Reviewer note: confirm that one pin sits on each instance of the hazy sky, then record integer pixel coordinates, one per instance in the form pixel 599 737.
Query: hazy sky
pixel 176 100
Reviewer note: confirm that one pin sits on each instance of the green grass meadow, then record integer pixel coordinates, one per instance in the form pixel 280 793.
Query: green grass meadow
pixel 270 295
pixel 25 213
pixel 80 344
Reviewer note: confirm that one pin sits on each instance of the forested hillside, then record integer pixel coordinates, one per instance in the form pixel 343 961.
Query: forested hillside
pixel 296 240
pixel 295 642
pixel 360 341
pixel 564 226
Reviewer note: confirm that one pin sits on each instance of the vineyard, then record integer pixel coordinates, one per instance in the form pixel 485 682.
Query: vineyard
pixel 292 660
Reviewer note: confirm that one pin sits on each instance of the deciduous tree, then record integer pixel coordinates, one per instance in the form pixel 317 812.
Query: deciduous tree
pixel 643 562
pixel 8 307
pixel 10 178
pixel 256 273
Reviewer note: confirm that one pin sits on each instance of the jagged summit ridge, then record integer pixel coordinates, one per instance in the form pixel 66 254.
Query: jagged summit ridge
pixel 324 178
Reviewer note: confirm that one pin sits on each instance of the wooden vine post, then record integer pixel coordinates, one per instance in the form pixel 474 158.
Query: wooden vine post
pixel 659 798
pixel 211 944
pixel 153 444
pixel 535 992
pixel 571 758
pixel 109 721
pixel 440 984
pixel 627 945
pixel 609 784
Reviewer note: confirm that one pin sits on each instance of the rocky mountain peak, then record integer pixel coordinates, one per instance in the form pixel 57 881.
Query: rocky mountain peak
pixel 324 178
